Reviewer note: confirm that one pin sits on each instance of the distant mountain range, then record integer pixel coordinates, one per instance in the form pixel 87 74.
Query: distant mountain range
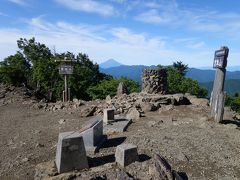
pixel 134 72
pixel 109 63
pixel 204 77
pixel 229 68
pixel 231 86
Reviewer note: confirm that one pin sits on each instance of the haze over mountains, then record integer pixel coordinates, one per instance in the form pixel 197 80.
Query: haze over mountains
pixel 204 77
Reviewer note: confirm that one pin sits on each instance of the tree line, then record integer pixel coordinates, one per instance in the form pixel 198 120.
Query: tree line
pixel 35 66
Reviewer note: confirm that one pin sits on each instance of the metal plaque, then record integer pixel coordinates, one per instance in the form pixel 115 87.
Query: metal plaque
pixel 65 69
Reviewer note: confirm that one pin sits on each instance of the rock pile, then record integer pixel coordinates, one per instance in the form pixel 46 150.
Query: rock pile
pixel 133 105
pixel 154 81
pixel 10 94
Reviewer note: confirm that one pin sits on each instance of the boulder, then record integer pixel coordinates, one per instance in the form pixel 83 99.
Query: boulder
pixel 133 113
pixel 199 101
pixel 147 107
pixel 180 99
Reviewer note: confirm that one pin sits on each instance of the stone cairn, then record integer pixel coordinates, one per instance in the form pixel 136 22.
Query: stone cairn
pixel 154 81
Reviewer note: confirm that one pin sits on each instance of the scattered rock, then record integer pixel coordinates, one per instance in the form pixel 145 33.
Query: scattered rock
pixel 88 111
pixel 133 113
pixel 147 107
pixel 236 116
pixel 166 108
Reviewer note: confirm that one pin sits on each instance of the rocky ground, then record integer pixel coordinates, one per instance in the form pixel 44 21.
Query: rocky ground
pixel 177 127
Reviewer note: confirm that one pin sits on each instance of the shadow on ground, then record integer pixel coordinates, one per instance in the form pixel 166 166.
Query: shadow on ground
pixel 143 157
pixel 99 161
pixel 231 122
pixel 114 142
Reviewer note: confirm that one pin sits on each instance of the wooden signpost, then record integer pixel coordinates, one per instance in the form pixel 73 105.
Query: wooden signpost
pixel 217 95
pixel 66 69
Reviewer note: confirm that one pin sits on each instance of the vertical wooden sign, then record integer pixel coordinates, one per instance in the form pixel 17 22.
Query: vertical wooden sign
pixel 217 95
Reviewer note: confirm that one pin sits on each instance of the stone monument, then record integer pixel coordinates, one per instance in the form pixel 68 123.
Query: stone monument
pixel 154 81
pixel 122 89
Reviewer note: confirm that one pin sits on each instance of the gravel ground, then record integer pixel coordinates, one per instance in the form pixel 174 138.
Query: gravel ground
pixel 185 136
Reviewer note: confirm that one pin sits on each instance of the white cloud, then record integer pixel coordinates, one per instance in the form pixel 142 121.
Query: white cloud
pixel 154 17
pixel 198 20
pixel 19 2
pixel 103 42
pixel 90 6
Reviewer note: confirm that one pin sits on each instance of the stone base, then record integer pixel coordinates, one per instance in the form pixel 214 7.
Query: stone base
pixel 71 153
pixel 116 126
pixel 126 154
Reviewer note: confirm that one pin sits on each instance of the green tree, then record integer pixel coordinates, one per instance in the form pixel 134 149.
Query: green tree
pixel 44 69
pixel 109 87
pixel 15 70
pixel 85 75
pixel 180 67
pixel 177 83
pixel 174 79
pixel 233 101
pixel 191 86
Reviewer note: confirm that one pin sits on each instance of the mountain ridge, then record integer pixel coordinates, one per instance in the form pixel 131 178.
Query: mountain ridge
pixel 109 63
pixel 134 72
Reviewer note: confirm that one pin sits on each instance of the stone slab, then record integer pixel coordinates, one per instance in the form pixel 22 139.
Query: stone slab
pixel 126 154
pixel 71 153
pixel 92 135
pixel 116 126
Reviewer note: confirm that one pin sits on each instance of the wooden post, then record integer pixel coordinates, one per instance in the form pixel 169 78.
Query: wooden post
pixel 63 96
pixel 66 68
pixel 217 95
pixel 69 94
pixel 65 88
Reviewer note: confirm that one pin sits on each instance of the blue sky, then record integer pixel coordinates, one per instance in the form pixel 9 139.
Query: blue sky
pixel 148 32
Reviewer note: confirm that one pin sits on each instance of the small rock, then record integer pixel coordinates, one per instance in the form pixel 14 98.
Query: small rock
pixel 25 160
pixel 39 145
pixel 61 121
